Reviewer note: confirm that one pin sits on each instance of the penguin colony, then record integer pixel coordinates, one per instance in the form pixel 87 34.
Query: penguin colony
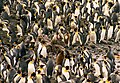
pixel 46 41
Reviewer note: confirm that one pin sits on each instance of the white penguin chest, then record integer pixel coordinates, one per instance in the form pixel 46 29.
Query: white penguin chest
pixel 44 51
pixel 103 34
pixel 67 62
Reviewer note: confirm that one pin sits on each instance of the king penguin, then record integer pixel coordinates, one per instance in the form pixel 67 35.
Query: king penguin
pixel 110 54
pixel 57 20
pixel 117 38
pixel 19 30
pixel 103 33
pixel 30 78
pixel 22 79
pixel 38 77
pixel 6 8
pixel 8 59
pixel 76 37
pixel 97 68
pixel 92 35
pixel 31 67
pixel 17 76
pixel 59 76
pixel 66 72
pixel 104 71
pixel 44 50
pixel 110 32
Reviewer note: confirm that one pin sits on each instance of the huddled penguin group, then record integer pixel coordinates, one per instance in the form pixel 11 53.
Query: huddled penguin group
pixel 57 41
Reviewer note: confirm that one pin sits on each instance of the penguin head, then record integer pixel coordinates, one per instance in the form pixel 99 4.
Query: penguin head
pixel 118 27
pixel 93 29
pixel 19 72
pixel 73 55
pixel 33 75
pixel 101 76
pixel 41 66
pixel 94 59
pixel 88 81
pixel 67 67
pixel 110 4
pixel 23 75
pixel 41 56
pixel 103 27
pixel 43 42
pixel 109 79
pixel 54 8
pixel 8 67
pixel 39 71
pixel 64 69
pixel 116 72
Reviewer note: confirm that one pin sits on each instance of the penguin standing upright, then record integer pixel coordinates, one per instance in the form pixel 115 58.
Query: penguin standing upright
pixel 77 10
pixel 35 27
pixel 49 24
pixel 17 76
pixel 6 73
pixel 37 7
pixel 38 77
pixel 8 59
pixel 30 78
pixel 92 36
pixel 117 35
pixel 72 64
pixel 39 47
pixel 57 20
pixel 28 16
pixel 104 71
pixel 103 33
pixel 31 67
pixel 76 37
pixel 66 72
pixel 73 25
pixel 6 8
pixel 88 57
pixel 43 67
pixel 19 30
pixel 67 39
pixel 44 50
pixel 50 65
pixel 110 54
pixel 110 32
pixel 97 68
pixel 59 76
pixel 22 79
